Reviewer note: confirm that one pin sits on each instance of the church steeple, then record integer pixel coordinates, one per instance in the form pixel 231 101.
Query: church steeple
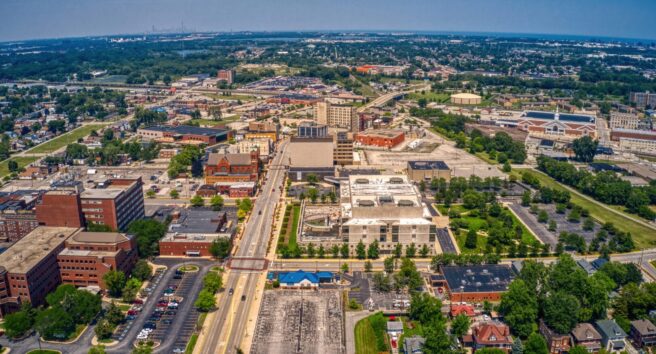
pixel 557 115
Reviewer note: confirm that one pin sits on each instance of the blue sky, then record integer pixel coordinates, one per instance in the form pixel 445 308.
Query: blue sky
pixel 28 19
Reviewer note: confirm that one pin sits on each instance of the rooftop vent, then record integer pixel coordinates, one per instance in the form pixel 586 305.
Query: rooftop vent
pixel 396 180
pixel 366 203
pixel 405 203
pixel 361 181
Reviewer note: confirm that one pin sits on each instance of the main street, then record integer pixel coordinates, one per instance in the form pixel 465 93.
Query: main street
pixel 226 331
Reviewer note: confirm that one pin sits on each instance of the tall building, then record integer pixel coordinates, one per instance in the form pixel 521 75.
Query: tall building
pixel 343 154
pixel 87 256
pixel 387 209
pixel 115 203
pixel 643 99
pixel 312 130
pixel 28 269
pixel 336 115
pixel 226 75
pixel 60 208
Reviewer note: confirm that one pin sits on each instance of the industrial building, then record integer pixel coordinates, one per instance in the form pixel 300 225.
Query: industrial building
pixel 643 99
pixel 465 98
pixel 387 209
pixel 184 134
pixel 641 141
pixel 380 138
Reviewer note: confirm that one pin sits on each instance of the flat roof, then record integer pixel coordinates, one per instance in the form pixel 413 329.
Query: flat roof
pixel 577 118
pixel 428 165
pixel 31 249
pixel 98 237
pixel 196 221
pixel 478 278
pixel 465 95
pixel 188 129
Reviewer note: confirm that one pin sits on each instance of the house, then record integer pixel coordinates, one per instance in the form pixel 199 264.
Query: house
pixel 585 335
pixel 612 335
pixel 467 310
pixel 490 335
pixel 643 333
pixel 557 343
pixel 301 279
pixel 413 345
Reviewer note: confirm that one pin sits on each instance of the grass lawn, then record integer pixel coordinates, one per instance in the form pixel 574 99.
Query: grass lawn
pixel 55 144
pixel 365 335
pixel 22 162
pixel 430 96
pixel 296 212
pixel 188 268
pixel 486 157
pixel 124 307
pixel 642 235
pixel 410 328
pixel 213 123
pixel 191 344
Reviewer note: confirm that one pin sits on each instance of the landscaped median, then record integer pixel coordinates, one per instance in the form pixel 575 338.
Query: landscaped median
pixel 639 232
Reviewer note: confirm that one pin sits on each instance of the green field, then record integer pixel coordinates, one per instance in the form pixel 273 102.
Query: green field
pixel 22 162
pixel 211 122
pixel 642 235
pixel 57 143
pixel 430 96
pixel 366 337
pixel 296 211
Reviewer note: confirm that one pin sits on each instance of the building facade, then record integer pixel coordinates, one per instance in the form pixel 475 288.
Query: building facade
pixel 427 170
pixel 556 342
pixel 336 115
pixel 380 138
pixel 115 203
pixel 643 99
pixel 623 120
pixel 557 125
pixel 227 167
pixel 312 130
pixel 88 256
pixel 343 154
pixel 642 141
pixel 226 75
pixel 184 134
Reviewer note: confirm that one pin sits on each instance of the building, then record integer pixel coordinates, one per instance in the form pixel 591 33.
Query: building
pixel 556 342
pixel 263 145
pixel 476 283
pixel 557 124
pixel 466 98
pixel 643 99
pixel 642 141
pixel 312 130
pixel 234 189
pixel 427 170
pixel 60 208
pixel 380 138
pixel 413 345
pixel 612 335
pixel 17 217
pixel 193 230
pixel 228 167
pixel 311 156
pixel 387 70
pixel 490 335
pixel 387 209
pixel 619 120
pixel 643 333
pixel 87 256
pixel 115 203
pixel 303 280
pixel 585 335
pixel 336 115
pixel 343 153
pixel 29 273
pixel 226 75
pixel 184 134
pixel 262 130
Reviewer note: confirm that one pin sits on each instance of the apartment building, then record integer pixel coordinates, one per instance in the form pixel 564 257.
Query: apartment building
pixel 343 152
pixel 619 120
pixel 643 99
pixel 337 116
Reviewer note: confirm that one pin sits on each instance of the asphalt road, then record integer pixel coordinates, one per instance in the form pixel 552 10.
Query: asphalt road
pixel 232 316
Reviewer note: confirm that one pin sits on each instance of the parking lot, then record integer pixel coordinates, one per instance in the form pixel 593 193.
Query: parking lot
pixel 300 321
pixel 362 290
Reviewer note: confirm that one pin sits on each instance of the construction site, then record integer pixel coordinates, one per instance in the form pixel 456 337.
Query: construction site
pixel 300 321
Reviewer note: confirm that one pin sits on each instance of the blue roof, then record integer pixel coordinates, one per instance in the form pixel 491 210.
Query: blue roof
pixel 579 118
pixel 297 277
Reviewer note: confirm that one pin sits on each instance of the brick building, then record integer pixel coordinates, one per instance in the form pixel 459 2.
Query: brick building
pixel 192 232
pixel 184 134
pixel 490 335
pixel 556 342
pixel 28 269
pixel 476 283
pixel 226 75
pixel 557 124
pixel 380 138
pixel 115 203
pixel 262 130
pixel 17 218
pixel 227 167
pixel 59 208
pixel 87 256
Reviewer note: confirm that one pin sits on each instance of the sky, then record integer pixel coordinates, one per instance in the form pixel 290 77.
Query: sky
pixel 32 19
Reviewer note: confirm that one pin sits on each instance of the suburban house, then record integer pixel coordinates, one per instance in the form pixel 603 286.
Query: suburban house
pixel 489 335
pixel 557 343
pixel 585 335
pixel 643 333
pixel 612 335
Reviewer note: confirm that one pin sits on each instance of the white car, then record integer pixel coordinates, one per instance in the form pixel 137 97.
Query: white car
pixel 142 336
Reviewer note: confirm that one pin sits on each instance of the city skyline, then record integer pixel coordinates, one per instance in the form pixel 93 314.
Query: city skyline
pixel 37 19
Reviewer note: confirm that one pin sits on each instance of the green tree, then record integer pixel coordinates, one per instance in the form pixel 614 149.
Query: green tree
pixel 344 250
pixel 388 264
pixel 381 282
pixel 368 266
pixel 360 250
pixel 543 217
pixel 174 194
pixel 372 250
pixel 104 329
pixel 517 346
pixel 578 350
pixel 54 323
pixel 13 166
pixel 526 199
pixel 490 351
pixel 220 248
pixel 115 282
pixel 585 148
pixel 150 193
pixel 460 325
pixel 212 282
pixel 313 194
pixel 519 307
pixel 408 276
pixel 197 201
pixel 472 239
pixel 113 314
pixel 425 308
pixel 98 349
pixel 216 202
pixel 142 270
pixel 18 323
pixel 506 167
pixel 398 249
pixel 561 312
pixel 424 251
pixel 411 250
pixel 535 344
pixel 205 301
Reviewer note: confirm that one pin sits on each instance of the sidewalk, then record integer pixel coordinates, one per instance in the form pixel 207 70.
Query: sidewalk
pixel 351 318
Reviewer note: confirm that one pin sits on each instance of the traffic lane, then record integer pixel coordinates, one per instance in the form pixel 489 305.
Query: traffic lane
pixel 237 335
pixel 215 327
